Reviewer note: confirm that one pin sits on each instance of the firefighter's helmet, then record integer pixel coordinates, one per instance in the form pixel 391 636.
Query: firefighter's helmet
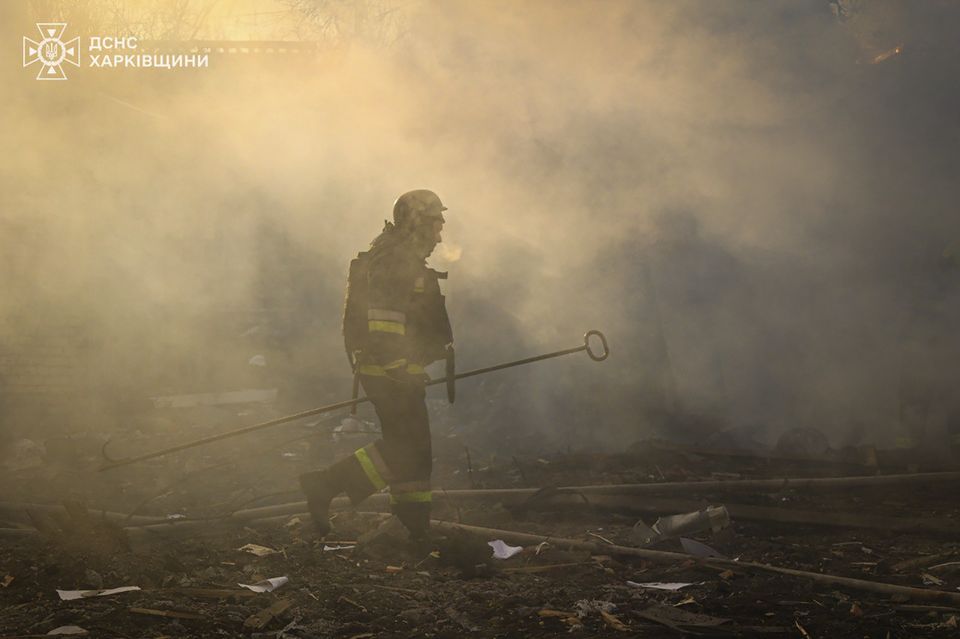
pixel 413 208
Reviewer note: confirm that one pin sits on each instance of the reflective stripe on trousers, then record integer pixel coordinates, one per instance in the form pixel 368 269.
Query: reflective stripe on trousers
pixel 373 466
pixel 408 492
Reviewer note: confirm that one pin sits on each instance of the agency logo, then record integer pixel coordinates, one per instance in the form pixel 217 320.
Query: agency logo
pixel 51 51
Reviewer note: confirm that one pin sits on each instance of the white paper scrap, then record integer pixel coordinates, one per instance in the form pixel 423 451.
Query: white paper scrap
pixel 327 548
pixel 68 595
pixel 68 630
pixel 502 551
pixel 693 547
pixel 267 585
pixel 660 585
pixel 258 550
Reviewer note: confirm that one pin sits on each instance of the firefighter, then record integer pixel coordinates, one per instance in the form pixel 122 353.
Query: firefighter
pixel 395 323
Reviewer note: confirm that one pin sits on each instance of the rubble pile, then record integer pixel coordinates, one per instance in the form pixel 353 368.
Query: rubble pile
pixel 649 553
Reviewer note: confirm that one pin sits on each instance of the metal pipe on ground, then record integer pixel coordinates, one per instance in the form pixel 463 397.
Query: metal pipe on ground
pixel 746 512
pixel 512 496
pixel 16 511
pixel 734 485
pixel 516 496
pixel 574 495
pixel 660 556
pixel 738 512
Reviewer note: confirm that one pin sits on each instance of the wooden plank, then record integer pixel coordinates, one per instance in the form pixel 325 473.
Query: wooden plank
pixel 260 620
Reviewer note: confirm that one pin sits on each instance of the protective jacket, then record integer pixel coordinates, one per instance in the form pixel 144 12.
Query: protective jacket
pixel 395 316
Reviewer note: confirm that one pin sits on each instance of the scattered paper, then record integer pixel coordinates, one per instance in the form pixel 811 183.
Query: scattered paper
pixel 258 550
pixel 176 516
pixel 68 595
pixel 257 360
pixel 695 548
pixel 6 581
pixel 267 585
pixel 327 548
pixel 660 585
pixel 68 630
pixel 644 534
pixel 502 551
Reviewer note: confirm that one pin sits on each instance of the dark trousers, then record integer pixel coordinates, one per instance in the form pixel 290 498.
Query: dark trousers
pixel 402 459
pixel 404 424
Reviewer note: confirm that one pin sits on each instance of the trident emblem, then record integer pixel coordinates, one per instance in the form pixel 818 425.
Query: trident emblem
pixel 51 52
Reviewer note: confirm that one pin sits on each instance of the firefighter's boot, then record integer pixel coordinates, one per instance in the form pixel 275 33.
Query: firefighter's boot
pixel 320 488
pixel 415 517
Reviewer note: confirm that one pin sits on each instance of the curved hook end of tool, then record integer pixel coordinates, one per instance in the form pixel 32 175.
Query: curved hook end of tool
pixel 103 452
pixel 597 357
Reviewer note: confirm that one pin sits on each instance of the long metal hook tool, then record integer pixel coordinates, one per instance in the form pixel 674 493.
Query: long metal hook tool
pixel 597 356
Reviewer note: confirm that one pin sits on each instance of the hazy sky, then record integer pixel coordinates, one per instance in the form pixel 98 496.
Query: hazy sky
pixel 752 199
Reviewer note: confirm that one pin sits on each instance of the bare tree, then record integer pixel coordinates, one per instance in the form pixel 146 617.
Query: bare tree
pixel 167 20
pixel 338 22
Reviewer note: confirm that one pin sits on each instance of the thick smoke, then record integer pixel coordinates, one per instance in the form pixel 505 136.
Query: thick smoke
pixel 756 202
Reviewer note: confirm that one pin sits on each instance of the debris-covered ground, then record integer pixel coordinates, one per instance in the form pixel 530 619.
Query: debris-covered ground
pixel 189 581
pixel 757 201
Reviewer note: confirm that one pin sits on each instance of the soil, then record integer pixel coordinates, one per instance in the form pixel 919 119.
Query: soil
pixel 391 587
